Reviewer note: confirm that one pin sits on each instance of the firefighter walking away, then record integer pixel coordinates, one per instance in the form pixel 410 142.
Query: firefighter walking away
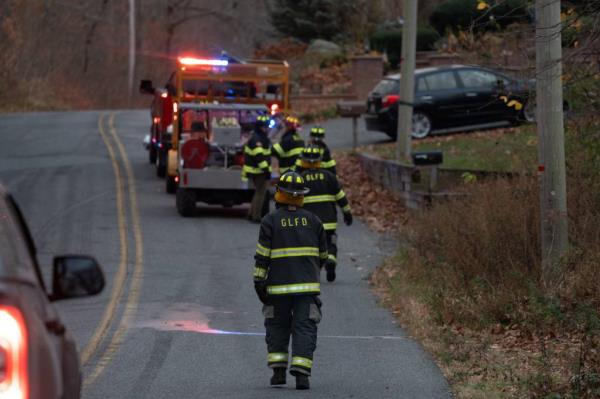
pixel 257 168
pixel 291 248
pixel 317 137
pixel 325 193
pixel 290 146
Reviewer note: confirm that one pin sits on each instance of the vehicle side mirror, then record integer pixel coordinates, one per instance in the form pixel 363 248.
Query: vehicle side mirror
pixel 76 276
pixel 146 87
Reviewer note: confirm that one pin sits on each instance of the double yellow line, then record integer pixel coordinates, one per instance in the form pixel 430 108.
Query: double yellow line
pixel 92 350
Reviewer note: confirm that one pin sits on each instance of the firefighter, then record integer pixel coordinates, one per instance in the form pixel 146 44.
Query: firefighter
pixel 257 168
pixel 317 136
pixel 325 192
pixel 290 146
pixel 291 247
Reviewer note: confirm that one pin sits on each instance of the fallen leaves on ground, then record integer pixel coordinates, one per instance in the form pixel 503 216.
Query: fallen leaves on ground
pixel 383 211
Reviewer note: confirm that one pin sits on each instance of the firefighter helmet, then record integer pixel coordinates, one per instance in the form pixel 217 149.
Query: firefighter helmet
pixel 292 123
pixel 312 154
pixel 317 132
pixel 293 184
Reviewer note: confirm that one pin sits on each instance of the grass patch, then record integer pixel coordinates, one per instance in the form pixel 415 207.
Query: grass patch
pixel 501 150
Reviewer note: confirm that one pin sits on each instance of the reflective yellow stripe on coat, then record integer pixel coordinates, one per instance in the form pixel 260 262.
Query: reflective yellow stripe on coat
pixel 294 288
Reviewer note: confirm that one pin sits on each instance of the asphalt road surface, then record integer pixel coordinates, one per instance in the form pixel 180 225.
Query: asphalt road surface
pixel 179 317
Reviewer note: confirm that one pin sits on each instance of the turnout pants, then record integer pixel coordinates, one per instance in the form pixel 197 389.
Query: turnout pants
pixel 332 247
pixel 260 200
pixel 296 316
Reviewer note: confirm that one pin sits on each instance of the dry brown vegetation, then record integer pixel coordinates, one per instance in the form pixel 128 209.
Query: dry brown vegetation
pixel 60 54
pixel 467 284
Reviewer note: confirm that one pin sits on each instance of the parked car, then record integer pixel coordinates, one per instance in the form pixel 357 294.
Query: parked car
pixel 38 357
pixel 451 98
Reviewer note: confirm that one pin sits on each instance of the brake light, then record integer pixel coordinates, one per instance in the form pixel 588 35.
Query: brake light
pixel 390 99
pixel 13 354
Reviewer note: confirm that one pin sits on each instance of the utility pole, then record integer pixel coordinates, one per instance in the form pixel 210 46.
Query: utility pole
pixel 407 80
pixel 131 70
pixel 551 136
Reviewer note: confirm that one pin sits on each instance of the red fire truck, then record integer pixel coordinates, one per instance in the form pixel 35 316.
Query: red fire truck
pixel 235 92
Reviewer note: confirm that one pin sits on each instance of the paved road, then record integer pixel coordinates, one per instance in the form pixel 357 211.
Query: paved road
pixel 179 318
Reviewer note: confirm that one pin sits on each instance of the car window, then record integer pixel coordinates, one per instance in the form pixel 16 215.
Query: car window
pixel 441 81
pixel 387 86
pixel 472 78
pixel 422 85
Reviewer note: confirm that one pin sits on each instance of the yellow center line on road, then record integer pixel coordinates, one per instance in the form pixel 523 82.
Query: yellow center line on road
pixel 136 280
pixel 120 277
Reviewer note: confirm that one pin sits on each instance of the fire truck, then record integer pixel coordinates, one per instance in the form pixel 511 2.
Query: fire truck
pixel 213 105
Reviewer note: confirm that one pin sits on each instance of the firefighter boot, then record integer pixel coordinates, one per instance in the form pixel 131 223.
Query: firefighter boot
pixel 302 381
pixel 278 377
pixel 330 268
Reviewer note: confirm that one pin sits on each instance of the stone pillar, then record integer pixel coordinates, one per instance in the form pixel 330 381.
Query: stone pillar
pixel 367 71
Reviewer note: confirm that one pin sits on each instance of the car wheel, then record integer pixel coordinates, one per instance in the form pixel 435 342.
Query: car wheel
pixel 421 125
pixel 171 185
pixel 152 154
pixel 528 112
pixel 186 202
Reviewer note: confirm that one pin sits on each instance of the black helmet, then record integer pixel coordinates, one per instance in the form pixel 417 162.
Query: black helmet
pixel 292 183
pixel 317 132
pixel 262 121
pixel 312 154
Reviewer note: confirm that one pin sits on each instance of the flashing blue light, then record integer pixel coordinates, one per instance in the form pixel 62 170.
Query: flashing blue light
pixel 272 123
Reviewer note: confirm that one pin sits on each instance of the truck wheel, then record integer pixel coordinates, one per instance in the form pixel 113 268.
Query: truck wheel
pixel 186 202
pixel 161 166
pixel 152 154
pixel 171 185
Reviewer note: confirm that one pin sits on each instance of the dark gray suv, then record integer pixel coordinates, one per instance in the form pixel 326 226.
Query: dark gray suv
pixel 38 357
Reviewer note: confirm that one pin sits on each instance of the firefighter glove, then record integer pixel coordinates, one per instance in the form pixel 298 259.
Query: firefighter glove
pixel 261 290
pixel 348 218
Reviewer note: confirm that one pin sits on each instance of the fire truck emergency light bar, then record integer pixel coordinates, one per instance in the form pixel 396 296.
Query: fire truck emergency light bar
pixel 200 61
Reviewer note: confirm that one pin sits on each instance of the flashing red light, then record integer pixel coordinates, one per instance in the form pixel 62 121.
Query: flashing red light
pixel 274 109
pixel 389 100
pixel 199 61
pixel 13 354
pixel 164 95
pixel 156 120
pixel 175 108
pixel 176 179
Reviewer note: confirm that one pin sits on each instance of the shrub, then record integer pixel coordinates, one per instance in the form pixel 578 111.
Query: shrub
pixel 455 15
pixel 390 42
pixel 478 258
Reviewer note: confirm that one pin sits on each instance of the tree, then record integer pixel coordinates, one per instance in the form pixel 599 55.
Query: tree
pixel 306 19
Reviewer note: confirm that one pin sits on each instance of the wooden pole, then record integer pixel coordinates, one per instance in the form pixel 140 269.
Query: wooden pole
pixel 550 130
pixel 407 80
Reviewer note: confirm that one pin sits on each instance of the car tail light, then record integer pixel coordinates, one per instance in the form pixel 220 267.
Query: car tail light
pixel 195 154
pixel 13 354
pixel 390 99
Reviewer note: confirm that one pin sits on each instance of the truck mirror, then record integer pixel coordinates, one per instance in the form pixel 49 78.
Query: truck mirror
pixel 146 87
